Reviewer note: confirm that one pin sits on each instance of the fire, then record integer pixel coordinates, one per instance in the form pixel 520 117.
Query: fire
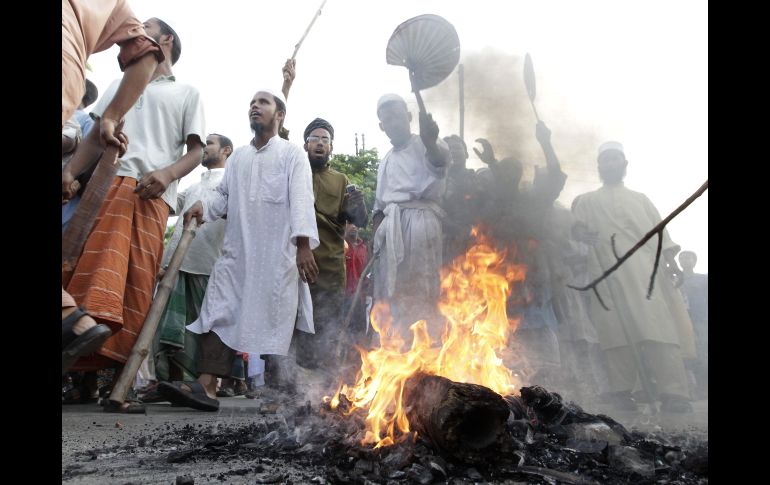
pixel 475 288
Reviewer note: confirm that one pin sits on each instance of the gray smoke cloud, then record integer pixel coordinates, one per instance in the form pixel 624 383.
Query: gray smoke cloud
pixel 498 108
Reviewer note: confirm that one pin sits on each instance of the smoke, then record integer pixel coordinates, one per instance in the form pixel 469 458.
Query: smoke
pixel 498 108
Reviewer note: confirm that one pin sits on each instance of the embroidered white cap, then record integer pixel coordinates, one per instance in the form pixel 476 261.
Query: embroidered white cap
pixel 610 145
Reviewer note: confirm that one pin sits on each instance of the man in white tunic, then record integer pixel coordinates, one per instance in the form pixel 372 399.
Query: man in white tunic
pixel 251 302
pixel 659 328
pixel 175 349
pixel 407 217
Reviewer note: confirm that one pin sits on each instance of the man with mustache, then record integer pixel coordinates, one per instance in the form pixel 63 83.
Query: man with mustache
pixel 334 206
pixel 259 282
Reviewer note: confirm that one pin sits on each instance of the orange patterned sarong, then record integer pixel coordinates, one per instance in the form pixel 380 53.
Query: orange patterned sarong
pixel 115 276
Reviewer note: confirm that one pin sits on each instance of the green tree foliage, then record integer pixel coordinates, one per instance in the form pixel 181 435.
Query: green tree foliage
pixel 361 170
pixel 169 232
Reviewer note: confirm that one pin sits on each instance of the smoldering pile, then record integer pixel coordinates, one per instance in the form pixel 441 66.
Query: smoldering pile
pixel 542 439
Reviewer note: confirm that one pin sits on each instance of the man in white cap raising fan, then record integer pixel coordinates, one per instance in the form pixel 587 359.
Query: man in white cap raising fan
pixel 407 218
pixel 659 328
pixel 255 290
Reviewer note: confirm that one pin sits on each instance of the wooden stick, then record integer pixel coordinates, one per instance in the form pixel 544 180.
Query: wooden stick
pixel 461 76
pixel 655 230
pixel 146 336
pixel 351 310
pixel 318 14
pixel 74 237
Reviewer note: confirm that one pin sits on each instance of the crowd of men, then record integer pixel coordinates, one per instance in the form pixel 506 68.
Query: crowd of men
pixel 277 279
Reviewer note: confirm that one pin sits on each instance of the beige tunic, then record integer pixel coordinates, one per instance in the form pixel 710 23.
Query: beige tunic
pixel 663 318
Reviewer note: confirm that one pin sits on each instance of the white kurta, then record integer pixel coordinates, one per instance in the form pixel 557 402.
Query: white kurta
pixel 205 247
pixel 409 239
pixel 252 298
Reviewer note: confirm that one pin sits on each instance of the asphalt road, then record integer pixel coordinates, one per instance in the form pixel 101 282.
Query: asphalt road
pixel 106 448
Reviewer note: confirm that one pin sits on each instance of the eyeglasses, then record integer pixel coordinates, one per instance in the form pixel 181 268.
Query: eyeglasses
pixel 323 139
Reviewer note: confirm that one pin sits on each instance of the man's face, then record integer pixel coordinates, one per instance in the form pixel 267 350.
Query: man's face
pixel 152 28
pixel 262 114
pixel 612 166
pixel 687 260
pixel 212 154
pixel 394 121
pixel 458 151
pixel 351 232
pixel 318 146
pixel 510 171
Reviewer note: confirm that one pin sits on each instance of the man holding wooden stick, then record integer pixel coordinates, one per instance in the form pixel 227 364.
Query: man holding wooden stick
pixel 88 28
pixel 115 275
pixel 175 350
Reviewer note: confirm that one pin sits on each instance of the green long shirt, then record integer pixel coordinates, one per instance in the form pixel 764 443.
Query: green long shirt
pixel 329 191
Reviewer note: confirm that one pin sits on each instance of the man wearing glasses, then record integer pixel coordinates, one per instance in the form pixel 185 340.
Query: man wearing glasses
pixel 336 202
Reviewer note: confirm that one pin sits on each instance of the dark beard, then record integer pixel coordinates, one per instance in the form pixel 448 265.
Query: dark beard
pixel 260 128
pixel 319 162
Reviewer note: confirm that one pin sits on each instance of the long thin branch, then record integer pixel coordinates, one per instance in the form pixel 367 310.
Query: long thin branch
pixel 655 266
pixel 658 229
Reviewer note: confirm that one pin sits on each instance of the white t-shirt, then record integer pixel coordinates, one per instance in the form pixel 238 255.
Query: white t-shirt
pixel 157 127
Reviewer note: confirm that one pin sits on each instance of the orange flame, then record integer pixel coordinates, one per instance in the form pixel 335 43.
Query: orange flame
pixel 475 288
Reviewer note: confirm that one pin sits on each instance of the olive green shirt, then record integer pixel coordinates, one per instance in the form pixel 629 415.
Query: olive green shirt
pixel 329 191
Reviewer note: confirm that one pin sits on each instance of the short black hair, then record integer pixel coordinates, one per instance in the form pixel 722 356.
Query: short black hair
pixel 176 47
pixel 223 140
pixel 90 95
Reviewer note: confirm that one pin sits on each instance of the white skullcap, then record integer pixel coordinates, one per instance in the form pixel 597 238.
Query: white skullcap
pixel 610 145
pixel 387 98
pixel 278 94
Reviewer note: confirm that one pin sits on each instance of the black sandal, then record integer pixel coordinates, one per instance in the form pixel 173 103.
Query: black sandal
pixel 188 394
pixel 74 346
pixel 78 395
pixel 126 407
pixel 130 405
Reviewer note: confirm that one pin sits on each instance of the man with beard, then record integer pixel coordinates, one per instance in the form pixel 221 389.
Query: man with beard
pixel 334 206
pixel 115 275
pixel 175 349
pixel 254 293
pixel 659 327
pixel 407 217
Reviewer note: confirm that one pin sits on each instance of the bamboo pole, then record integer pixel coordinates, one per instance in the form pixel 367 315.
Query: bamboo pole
pixel 146 336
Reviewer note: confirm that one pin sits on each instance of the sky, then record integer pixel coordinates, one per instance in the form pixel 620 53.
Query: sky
pixel 634 72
